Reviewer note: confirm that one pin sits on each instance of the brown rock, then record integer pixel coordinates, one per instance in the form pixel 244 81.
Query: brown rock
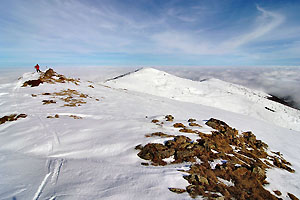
pixel 194 124
pixel 48 101
pixel 21 116
pixel 160 134
pixel 293 197
pixel 155 120
pixel 177 190
pixel 156 153
pixel 32 83
pixel 277 192
pixel 243 167
pixel 48 77
pixel 49 73
pixel 191 120
pixel 145 164
pixel 279 164
pixel 186 130
pixel 197 180
pixel 75 117
pixel 259 172
pixel 181 139
pixel 46 93
pixel 179 125
pixel 169 117
pixel 12 117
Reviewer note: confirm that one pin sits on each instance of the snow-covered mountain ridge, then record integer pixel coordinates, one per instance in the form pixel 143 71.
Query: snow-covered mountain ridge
pixel 210 92
pixel 81 145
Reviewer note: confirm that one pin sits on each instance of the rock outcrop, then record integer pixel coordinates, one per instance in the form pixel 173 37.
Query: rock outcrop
pixel 224 164
pixel 50 76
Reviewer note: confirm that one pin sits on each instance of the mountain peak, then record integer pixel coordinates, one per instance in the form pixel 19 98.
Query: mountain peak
pixel 211 92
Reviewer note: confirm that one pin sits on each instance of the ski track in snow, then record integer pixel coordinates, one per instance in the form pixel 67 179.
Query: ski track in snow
pixel 41 187
pixel 54 165
pixel 54 168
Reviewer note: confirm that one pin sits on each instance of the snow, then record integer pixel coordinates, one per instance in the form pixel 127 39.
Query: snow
pixel 228 183
pixel 94 157
pixel 216 162
pixel 211 92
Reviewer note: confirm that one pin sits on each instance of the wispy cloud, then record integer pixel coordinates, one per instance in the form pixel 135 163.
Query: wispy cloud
pixel 196 43
pixel 57 29
pixel 265 23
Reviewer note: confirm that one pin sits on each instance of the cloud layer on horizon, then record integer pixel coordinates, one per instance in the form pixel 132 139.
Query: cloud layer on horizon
pixel 150 32
pixel 281 81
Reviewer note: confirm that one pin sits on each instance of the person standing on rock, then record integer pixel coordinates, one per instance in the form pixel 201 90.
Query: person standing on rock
pixel 37 67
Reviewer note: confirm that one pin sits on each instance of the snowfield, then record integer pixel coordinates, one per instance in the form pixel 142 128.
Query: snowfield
pixel 93 156
pixel 210 92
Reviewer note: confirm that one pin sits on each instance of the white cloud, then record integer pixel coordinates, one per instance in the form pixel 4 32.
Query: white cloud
pixel 86 28
pixel 282 81
pixel 175 41
pixel 264 24
pixel 195 43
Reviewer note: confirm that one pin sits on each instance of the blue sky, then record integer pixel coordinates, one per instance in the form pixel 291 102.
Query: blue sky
pixel 149 33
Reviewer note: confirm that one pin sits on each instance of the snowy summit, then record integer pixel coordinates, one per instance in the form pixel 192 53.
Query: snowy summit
pixel 210 92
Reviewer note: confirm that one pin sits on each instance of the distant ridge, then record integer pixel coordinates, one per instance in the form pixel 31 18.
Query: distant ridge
pixel 211 92
pixel 122 75
pixel 283 101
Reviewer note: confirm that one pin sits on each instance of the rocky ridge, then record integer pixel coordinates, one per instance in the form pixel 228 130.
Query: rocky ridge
pixel 50 76
pixel 225 164
pixel 70 97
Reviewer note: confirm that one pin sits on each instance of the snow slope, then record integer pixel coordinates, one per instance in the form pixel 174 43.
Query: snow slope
pixel 210 92
pixel 94 157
